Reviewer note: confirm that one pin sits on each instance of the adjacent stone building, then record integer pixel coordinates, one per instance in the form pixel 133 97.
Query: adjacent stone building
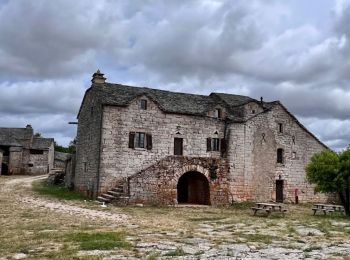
pixel 23 153
pixel 162 147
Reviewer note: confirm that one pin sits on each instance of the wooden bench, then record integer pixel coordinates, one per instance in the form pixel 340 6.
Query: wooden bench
pixel 256 209
pixel 324 210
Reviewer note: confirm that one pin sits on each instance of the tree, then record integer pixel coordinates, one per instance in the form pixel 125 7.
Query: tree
pixel 69 149
pixel 330 171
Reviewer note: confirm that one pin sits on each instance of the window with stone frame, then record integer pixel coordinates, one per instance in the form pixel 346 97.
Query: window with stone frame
pixel 280 128
pixel 218 113
pixel 280 155
pixel 143 104
pixel 214 144
pixel 140 140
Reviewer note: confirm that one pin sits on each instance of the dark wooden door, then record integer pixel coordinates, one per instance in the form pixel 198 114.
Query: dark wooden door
pixel 279 190
pixel 178 146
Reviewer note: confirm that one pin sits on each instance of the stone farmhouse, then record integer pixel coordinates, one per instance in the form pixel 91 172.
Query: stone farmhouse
pixel 159 147
pixel 23 153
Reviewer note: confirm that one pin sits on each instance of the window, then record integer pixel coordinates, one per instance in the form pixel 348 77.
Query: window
pixel 253 111
pixel 140 140
pixel 218 113
pixel 178 146
pixel 280 127
pixel 91 110
pixel 30 165
pixel 213 144
pixel 280 154
pixel 33 151
pixel 143 104
pixel 85 166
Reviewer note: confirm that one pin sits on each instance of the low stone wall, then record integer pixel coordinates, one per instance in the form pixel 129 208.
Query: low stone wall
pixel 158 183
pixel 70 172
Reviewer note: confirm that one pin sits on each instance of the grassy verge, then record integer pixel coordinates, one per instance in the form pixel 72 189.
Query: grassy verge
pixel 100 240
pixel 59 192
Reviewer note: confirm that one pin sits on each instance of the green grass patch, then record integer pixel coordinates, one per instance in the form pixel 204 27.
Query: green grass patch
pixel 100 240
pixel 59 192
pixel 203 219
pixel 243 205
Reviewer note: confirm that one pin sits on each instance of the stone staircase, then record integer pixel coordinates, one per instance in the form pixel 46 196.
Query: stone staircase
pixel 115 196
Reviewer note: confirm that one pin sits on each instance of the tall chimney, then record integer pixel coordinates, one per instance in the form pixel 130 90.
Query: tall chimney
pixel 97 78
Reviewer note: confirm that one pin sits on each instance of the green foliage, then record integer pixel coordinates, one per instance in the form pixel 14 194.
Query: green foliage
pixel 70 149
pixel 330 171
pixel 323 170
pixel 59 192
pixel 100 240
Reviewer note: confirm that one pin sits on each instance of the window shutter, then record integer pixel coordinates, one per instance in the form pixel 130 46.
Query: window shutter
pixel 208 144
pixel 149 141
pixel 223 145
pixel 131 140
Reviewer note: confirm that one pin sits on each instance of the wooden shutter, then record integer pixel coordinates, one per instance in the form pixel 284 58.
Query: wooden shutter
pixel 131 139
pixel 208 144
pixel 149 141
pixel 223 145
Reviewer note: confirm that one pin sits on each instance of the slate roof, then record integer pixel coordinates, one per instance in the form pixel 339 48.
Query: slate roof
pixel 12 136
pixel 16 137
pixel 181 103
pixel 42 143
pixel 171 102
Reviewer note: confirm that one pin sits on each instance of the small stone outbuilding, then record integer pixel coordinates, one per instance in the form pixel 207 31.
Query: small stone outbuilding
pixel 163 147
pixel 23 153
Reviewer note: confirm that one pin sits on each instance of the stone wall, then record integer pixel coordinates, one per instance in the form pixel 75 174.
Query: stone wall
pixel 88 145
pixel 69 179
pixel 15 161
pixel 253 154
pixel 158 183
pixel 39 163
pixel 118 161
pixel 1 156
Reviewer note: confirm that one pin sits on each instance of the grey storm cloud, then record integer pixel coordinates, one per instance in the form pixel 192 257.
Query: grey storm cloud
pixel 49 49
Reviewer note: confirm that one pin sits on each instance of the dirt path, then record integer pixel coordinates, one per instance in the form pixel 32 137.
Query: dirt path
pixel 14 185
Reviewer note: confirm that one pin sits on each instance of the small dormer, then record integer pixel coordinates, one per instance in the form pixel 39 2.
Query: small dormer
pixel 251 109
pixel 218 112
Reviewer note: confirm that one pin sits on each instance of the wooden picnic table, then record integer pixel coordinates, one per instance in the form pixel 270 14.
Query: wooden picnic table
pixel 327 208
pixel 268 208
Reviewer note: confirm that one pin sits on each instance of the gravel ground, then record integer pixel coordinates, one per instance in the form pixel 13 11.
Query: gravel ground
pixel 34 227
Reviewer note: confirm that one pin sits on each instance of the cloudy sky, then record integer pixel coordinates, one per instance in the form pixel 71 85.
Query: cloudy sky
pixel 294 51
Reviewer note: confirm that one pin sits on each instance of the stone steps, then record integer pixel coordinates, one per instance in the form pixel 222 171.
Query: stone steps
pixel 115 195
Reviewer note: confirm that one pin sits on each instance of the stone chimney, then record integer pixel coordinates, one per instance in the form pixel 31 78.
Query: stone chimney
pixel 97 78
pixel 28 136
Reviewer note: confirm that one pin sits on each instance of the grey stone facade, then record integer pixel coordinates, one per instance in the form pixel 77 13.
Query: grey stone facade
pixel 23 153
pixel 236 138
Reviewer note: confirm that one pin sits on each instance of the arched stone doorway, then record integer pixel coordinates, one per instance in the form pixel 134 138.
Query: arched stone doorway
pixel 4 169
pixel 193 188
